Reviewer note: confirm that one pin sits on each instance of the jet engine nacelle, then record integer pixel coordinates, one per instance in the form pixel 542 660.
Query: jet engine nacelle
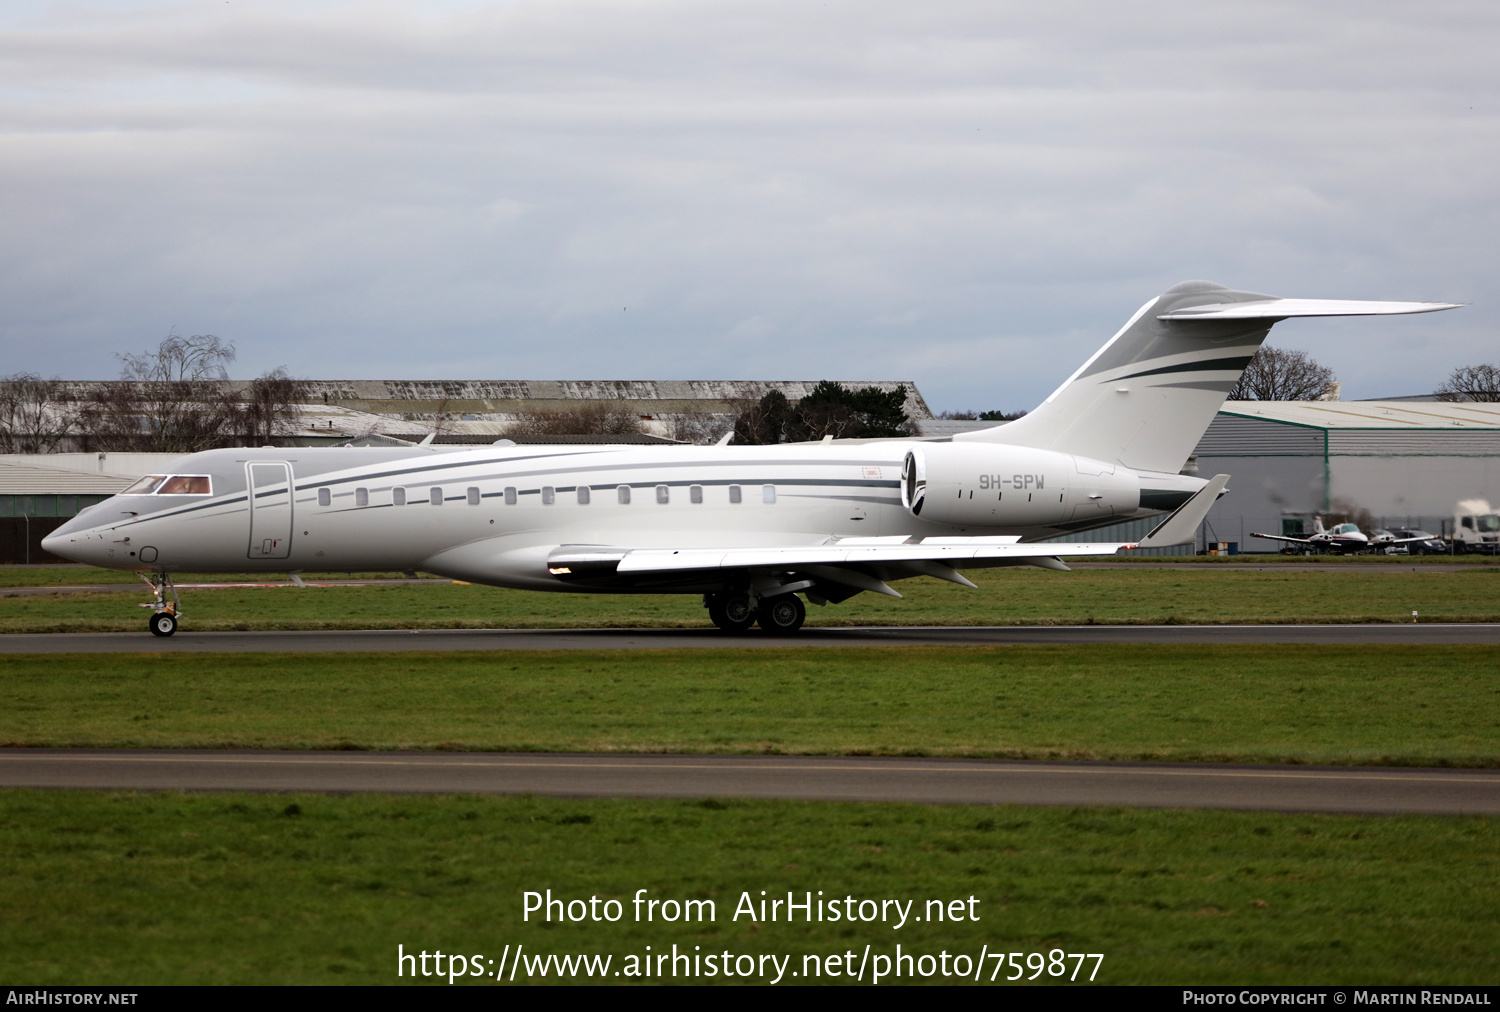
pixel 993 485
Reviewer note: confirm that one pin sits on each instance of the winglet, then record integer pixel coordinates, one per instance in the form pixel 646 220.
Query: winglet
pixel 1181 526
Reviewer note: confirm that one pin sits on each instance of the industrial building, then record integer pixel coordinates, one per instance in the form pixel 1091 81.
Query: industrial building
pixel 1394 463
pixel 468 411
pixel 38 492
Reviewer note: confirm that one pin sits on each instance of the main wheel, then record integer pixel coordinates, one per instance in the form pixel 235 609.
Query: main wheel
pixel 782 616
pixel 163 623
pixel 731 612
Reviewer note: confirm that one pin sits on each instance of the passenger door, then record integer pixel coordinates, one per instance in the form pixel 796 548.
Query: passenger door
pixel 270 494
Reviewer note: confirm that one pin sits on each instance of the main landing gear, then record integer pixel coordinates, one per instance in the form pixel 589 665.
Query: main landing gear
pixel 736 611
pixel 164 613
pixel 781 615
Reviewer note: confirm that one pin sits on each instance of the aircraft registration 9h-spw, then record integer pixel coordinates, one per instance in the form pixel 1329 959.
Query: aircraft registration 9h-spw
pixel 748 527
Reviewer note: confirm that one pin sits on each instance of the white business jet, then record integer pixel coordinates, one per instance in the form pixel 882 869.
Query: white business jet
pixel 748 527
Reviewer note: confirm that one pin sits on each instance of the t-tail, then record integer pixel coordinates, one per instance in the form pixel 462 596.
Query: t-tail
pixel 1146 397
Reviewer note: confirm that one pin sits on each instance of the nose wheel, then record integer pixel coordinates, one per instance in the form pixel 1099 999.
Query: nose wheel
pixel 164 612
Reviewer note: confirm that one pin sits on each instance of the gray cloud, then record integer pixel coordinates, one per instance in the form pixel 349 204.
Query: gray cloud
pixel 972 195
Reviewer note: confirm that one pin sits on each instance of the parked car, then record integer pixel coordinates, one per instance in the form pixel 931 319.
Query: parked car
pixel 1431 545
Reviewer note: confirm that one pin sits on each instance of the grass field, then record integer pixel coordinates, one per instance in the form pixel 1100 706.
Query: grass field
pixel 225 888
pixel 1125 594
pixel 1306 704
pixel 257 889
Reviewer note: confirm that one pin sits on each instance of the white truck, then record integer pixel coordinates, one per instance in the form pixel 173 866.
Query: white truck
pixel 1476 528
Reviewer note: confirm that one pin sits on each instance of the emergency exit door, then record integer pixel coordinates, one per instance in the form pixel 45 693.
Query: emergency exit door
pixel 270 493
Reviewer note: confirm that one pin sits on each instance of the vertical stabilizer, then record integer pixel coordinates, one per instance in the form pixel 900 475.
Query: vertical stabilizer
pixel 1147 396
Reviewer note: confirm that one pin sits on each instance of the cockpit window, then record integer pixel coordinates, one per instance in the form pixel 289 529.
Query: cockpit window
pixel 185 484
pixel 146 485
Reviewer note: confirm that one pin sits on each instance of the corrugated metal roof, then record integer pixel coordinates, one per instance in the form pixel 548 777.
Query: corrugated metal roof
pixel 1414 442
pixel 27 479
pixel 1371 414
pixel 1236 436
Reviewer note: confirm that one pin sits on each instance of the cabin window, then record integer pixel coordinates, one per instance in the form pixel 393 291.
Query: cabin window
pixel 185 484
pixel 695 493
pixel 1468 522
pixel 622 493
pixel 510 495
pixel 361 497
pixel 473 495
pixel 435 496
pixel 663 494
pixel 398 496
pixel 549 495
pixel 768 494
pixel 583 495
pixel 734 493
pixel 145 486
pixel 325 497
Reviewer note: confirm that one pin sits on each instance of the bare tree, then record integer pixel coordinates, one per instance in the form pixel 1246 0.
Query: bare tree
pixel 1471 383
pixel 1276 374
pixel 177 398
pixel 181 392
pixel 699 427
pixel 591 418
pixel 981 416
pixel 109 419
pixel 33 416
pixel 268 408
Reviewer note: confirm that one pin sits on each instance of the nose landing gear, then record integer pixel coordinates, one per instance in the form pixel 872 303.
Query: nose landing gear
pixel 164 613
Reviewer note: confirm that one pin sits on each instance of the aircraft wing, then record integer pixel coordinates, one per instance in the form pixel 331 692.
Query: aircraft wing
pixel 1279 537
pixel 860 563
pixel 867 562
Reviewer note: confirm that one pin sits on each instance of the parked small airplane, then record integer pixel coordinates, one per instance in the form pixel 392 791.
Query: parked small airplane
pixel 748 527
pixel 1345 538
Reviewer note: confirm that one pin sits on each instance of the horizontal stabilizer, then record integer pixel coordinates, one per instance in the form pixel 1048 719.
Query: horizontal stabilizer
pixel 1285 309
pixel 1181 526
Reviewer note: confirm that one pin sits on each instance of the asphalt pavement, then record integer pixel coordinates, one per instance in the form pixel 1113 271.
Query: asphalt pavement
pixel 822 778
pixel 382 640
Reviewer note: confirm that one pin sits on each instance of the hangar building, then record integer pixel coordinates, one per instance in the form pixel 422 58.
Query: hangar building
pixel 1407 463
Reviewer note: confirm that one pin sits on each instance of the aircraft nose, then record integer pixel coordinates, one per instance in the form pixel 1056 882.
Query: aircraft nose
pixel 69 541
pixel 61 545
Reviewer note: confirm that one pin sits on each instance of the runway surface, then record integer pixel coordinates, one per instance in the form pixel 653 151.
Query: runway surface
pixel 821 778
pixel 660 639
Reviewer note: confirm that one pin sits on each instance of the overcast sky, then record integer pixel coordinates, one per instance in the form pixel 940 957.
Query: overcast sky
pixel 971 195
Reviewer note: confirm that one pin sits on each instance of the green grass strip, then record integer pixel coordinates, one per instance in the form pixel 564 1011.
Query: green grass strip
pixel 1420 705
pixel 124 888
pixel 1124 595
